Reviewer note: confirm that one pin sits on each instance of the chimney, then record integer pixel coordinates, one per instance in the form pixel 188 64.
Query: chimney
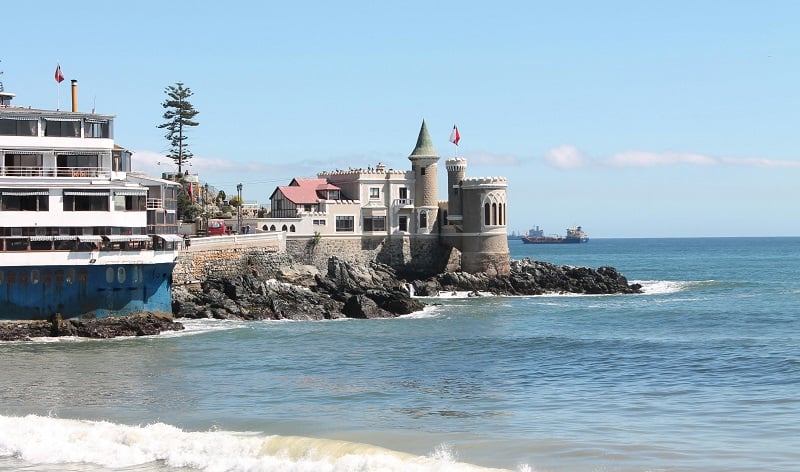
pixel 74 95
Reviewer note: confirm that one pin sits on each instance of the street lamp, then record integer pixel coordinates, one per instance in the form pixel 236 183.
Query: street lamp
pixel 239 217
pixel 205 205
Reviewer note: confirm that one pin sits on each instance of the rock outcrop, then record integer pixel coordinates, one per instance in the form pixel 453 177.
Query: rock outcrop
pixel 530 277
pixel 143 324
pixel 298 292
pixel 374 290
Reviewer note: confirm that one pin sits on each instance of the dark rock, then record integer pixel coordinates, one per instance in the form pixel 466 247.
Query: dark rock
pixel 529 277
pixel 144 324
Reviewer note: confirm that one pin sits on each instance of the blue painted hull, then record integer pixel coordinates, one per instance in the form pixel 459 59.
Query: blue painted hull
pixel 30 293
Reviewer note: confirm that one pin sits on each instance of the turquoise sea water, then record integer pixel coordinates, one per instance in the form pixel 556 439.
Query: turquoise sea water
pixel 701 373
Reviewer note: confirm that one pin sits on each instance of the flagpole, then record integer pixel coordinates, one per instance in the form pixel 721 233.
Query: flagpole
pixel 58 87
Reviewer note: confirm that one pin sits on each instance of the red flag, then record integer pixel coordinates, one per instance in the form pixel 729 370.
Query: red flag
pixel 455 136
pixel 59 76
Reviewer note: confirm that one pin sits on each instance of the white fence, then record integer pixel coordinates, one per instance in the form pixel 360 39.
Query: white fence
pixel 276 240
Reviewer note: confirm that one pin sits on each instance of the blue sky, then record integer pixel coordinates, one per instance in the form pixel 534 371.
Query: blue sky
pixel 630 118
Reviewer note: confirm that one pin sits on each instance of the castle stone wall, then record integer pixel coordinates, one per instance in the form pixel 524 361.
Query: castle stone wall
pixel 418 254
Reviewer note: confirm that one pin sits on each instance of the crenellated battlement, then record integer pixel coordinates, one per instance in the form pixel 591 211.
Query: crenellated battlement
pixel 454 164
pixel 484 181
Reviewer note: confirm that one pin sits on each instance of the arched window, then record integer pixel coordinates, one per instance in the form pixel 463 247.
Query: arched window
pixel 264 227
pixel 494 209
pixel 291 229
pixel 284 229
pixel 272 228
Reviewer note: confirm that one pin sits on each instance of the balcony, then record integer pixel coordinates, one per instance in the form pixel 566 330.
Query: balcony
pixel 155 203
pixel 403 202
pixel 38 171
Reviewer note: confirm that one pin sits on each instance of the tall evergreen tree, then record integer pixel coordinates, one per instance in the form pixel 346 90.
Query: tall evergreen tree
pixel 179 114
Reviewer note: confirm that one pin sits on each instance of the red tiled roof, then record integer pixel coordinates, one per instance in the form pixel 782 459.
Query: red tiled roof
pixel 304 191
pixel 298 194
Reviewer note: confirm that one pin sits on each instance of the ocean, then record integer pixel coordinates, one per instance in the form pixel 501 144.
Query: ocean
pixel 699 373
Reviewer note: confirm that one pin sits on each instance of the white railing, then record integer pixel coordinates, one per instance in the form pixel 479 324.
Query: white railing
pixel 38 171
pixel 255 239
pixel 155 203
pixel 403 202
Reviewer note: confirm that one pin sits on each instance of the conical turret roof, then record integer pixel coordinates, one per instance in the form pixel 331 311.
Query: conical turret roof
pixel 424 147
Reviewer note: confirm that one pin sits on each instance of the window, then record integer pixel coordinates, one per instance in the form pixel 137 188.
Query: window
pixel 77 165
pixel 18 127
pixel 319 222
pixel 23 165
pixel 374 193
pixel 63 129
pixel 421 171
pixel 375 223
pixel 494 209
pixel 345 223
pixel 423 219
pixel 402 223
pixel 96 129
pixel 21 202
pixel 130 203
pixel 403 193
pixel 85 202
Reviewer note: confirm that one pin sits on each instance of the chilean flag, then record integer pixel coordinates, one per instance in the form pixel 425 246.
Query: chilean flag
pixel 455 136
pixel 59 76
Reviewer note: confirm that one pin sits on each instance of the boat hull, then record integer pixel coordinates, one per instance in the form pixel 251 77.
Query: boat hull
pixel 548 240
pixel 76 290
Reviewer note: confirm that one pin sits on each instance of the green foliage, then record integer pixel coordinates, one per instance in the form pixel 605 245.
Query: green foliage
pixel 221 196
pixel 235 201
pixel 179 116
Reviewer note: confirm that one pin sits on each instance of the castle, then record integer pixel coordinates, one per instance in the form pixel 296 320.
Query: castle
pixel 395 217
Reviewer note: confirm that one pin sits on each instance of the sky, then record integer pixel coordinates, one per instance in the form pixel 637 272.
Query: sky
pixel 630 118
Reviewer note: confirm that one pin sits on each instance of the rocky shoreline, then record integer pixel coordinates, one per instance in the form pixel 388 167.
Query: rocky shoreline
pixel 301 292
pixel 142 324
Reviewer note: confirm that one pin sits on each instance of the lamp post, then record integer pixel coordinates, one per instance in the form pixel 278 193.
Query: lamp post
pixel 205 206
pixel 239 217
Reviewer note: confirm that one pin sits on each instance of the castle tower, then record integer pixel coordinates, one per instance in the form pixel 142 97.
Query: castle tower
pixel 424 161
pixel 456 168
pixel 484 245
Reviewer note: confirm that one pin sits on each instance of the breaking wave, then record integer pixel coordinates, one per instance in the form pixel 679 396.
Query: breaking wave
pixel 46 443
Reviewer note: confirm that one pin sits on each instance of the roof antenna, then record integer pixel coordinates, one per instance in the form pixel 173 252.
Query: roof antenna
pixel 1 82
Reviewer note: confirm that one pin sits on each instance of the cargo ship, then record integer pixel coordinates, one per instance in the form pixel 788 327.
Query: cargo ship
pixel 80 234
pixel 575 235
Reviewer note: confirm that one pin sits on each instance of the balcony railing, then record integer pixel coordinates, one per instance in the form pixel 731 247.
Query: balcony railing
pixel 403 202
pixel 155 203
pixel 27 171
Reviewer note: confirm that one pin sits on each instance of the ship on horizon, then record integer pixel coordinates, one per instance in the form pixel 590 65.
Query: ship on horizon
pixel 575 235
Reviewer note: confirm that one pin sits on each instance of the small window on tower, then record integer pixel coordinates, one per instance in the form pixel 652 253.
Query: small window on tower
pixel 421 171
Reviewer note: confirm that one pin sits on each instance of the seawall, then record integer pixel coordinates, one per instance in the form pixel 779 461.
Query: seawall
pixel 226 256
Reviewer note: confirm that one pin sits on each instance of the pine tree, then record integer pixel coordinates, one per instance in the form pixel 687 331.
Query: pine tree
pixel 179 116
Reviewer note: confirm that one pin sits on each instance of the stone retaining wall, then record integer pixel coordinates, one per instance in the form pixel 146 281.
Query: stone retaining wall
pixel 418 256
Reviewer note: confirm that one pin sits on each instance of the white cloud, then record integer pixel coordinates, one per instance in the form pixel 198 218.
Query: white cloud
pixel 569 157
pixel 489 159
pixel 652 159
pixel 566 157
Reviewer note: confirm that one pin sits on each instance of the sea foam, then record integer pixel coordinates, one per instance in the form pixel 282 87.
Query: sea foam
pixel 39 440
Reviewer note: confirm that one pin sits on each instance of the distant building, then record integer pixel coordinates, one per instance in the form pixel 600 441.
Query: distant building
pixel 401 206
